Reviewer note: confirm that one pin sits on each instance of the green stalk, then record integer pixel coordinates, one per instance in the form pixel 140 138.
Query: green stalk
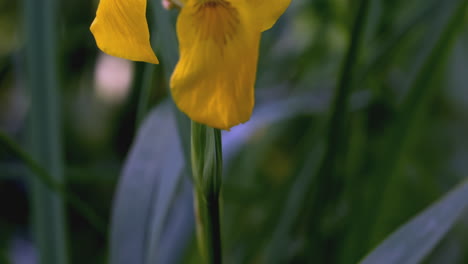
pixel 336 129
pixel 44 134
pixel 206 155
pixel 327 187
pixel 362 216
pixel 337 124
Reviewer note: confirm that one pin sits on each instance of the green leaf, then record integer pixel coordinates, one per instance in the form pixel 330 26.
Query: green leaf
pixel 291 209
pixel 42 177
pixel 147 182
pixel 415 106
pixel 153 186
pixel 384 56
pixel 44 129
pixel 322 190
pixel 415 240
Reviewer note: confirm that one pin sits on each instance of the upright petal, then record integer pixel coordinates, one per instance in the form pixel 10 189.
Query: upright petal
pixel 213 82
pixel 264 13
pixel 121 30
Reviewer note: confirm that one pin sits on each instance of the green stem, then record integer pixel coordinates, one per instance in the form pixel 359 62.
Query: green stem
pixel 208 227
pixel 206 155
pixel 214 215
pixel 327 186
pixel 335 142
pixel 345 83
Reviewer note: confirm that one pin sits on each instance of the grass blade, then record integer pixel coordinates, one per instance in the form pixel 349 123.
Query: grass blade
pixel 327 182
pixel 412 242
pixel 47 180
pixel 45 137
pixel 139 220
pixel 146 192
pixel 414 105
pixel 292 207
pixel 384 55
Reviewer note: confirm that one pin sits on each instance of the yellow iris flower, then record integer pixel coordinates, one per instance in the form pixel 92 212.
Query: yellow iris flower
pixel 213 82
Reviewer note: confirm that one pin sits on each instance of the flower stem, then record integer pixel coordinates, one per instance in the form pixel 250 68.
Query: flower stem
pixel 208 227
pixel 206 156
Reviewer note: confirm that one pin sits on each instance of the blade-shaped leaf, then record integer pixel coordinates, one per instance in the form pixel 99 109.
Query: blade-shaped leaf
pixel 151 181
pixel 414 240
pixel 45 141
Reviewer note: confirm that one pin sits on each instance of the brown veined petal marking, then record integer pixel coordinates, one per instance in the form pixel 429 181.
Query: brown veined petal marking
pixel 220 19
pixel 213 82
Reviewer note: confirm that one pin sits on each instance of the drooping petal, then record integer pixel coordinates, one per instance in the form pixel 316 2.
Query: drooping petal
pixel 213 82
pixel 121 30
pixel 265 13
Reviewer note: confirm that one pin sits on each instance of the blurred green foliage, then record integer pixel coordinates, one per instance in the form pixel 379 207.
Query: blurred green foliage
pixel 297 187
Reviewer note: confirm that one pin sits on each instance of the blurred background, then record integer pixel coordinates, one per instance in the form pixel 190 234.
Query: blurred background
pixel 360 123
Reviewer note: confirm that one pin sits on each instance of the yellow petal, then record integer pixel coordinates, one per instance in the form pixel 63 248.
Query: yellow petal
pixel 121 30
pixel 213 82
pixel 266 12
